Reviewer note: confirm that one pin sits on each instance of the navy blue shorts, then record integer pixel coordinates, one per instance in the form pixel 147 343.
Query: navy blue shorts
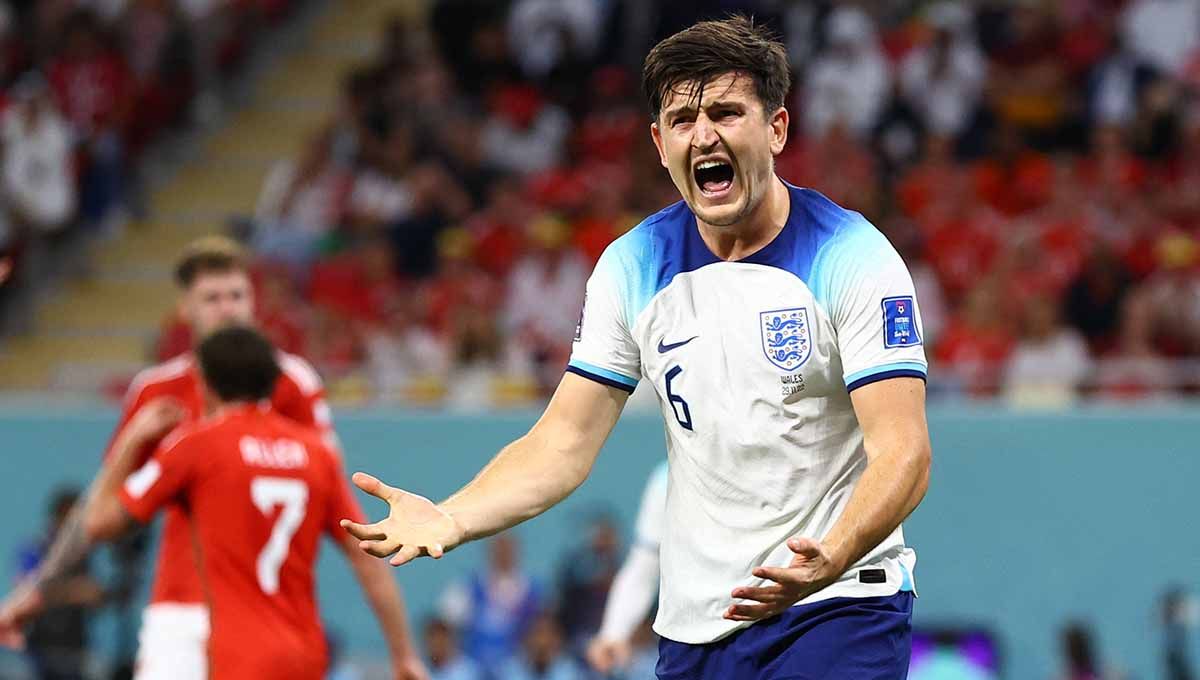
pixel 842 638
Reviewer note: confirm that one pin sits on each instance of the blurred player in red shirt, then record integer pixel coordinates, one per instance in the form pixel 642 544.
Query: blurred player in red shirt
pixel 216 292
pixel 258 489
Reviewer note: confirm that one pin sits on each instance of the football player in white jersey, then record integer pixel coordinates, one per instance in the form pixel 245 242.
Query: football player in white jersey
pixel 636 583
pixel 782 336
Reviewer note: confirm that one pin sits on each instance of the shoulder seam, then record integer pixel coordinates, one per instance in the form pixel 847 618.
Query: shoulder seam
pixel 159 373
pixel 300 372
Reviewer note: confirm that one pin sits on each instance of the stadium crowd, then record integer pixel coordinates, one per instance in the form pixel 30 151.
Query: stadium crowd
pixel 86 87
pixel 1036 164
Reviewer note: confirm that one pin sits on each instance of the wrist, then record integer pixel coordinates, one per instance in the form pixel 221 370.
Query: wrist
pixel 458 518
pixel 838 555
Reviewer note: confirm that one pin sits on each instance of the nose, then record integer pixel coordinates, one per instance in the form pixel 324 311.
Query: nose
pixel 229 308
pixel 704 134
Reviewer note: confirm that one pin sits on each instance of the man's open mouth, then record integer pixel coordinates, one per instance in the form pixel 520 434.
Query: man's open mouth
pixel 713 177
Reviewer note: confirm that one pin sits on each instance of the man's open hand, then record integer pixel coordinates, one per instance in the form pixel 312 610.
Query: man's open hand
pixel 414 525
pixel 811 569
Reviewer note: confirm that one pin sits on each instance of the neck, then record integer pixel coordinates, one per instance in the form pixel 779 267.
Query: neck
pixel 753 231
pixel 227 406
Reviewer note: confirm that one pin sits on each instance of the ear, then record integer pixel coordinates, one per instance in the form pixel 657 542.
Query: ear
pixel 656 135
pixel 779 130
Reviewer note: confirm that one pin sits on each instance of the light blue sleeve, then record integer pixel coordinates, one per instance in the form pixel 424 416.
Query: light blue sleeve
pixel 604 349
pixel 864 286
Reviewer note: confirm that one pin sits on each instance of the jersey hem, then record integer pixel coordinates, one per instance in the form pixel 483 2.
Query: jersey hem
pixel 885 375
pixel 602 376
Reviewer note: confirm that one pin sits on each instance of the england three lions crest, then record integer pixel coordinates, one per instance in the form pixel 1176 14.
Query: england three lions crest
pixel 785 337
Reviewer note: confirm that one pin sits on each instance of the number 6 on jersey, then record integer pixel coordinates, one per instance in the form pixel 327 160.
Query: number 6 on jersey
pixel 267 493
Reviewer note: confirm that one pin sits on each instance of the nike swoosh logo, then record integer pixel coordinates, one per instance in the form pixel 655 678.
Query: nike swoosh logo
pixel 667 348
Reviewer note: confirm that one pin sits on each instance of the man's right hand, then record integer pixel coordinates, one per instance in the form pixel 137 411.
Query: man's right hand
pixel 607 656
pixel 16 611
pixel 415 526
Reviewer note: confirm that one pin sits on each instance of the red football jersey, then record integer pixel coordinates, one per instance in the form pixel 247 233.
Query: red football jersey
pixel 258 490
pixel 298 396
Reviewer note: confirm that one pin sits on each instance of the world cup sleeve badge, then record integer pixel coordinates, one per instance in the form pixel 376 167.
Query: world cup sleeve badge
pixel 899 322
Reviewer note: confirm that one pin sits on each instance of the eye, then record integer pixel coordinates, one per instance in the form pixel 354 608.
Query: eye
pixel 681 119
pixel 725 114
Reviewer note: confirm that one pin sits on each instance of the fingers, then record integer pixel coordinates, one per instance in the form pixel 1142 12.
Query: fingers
pixel 373 486
pixel 381 548
pixel 805 547
pixel 769 594
pixel 364 532
pixel 784 576
pixel 752 612
pixel 407 554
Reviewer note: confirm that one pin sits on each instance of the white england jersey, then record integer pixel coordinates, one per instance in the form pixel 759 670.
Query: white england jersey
pixel 753 362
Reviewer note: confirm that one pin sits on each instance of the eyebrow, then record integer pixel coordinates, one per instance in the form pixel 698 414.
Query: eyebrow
pixel 711 105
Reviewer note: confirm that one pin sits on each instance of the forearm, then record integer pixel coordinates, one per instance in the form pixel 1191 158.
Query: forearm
pixel 632 594
pixel 525 479
pixel 70 546
pixel 385 599
pixel 888 491
pixel 102 513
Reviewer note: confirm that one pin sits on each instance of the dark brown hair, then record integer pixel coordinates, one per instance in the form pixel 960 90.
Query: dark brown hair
pixel 208 254
pixel 710 49
pixel 238 364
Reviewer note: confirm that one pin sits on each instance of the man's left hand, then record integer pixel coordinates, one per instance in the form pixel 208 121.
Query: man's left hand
pixel 811 569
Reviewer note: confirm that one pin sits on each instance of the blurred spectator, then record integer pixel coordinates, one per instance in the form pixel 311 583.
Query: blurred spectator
pixel 548 35
pixel 1116 85
pixel 494 609
pixel 57 640
pixel 401 350
pixel 1048 363
pixel 334 343
pixel 848 82
pixel 525 133
pixel 1135 368
pixel 446 661
pixel 1079 656
pixel 1028 76
pixel 93 88
pixel 38 181
pixel 1093 298
pixel 585 578
pixel 155 41
pixel 977 342
pixel 1174 293
pixel 498 229
pixel 1166 33
pixel 281 315
pixel 944 78
pixel 300 204
pixel 543 656
pixel 1178 616
pixel 545 293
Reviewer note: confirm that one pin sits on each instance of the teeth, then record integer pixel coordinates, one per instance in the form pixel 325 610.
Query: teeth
pixel 709 164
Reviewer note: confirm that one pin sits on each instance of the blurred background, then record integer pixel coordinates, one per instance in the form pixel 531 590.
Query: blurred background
pixel 426 184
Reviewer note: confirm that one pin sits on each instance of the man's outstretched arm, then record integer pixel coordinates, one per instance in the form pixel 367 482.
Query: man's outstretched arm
pixel 524 480
pixel 79 532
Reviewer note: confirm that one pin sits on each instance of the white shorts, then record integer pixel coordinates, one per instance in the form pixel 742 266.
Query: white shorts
pixel 173 643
